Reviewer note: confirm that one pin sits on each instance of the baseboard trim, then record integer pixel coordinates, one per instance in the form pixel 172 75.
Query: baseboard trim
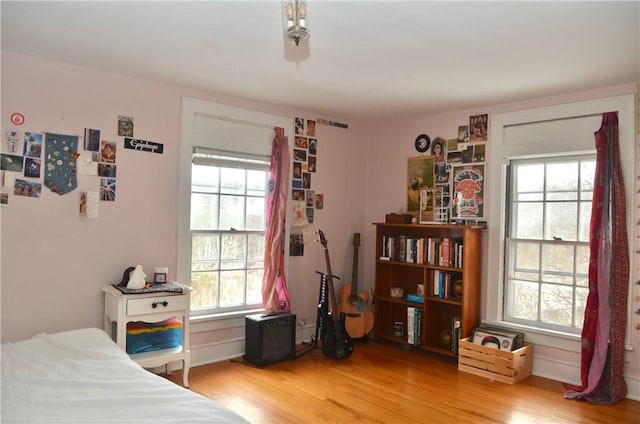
pixel 565 372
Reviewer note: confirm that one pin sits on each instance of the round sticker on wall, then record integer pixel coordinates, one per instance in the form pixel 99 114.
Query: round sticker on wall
pixel 17 118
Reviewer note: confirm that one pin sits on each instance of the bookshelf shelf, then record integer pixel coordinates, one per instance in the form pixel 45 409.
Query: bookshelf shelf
pixel 439 257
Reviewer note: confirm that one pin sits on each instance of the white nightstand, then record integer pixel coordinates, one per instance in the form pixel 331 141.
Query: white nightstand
pixel 119 309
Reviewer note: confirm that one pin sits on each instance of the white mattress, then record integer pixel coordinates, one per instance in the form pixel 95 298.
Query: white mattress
pixel 81 376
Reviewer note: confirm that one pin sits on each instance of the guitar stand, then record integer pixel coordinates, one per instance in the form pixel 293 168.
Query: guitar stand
pixel 323 313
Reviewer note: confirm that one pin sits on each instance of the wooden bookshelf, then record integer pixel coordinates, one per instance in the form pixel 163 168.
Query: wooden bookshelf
pixel 441 301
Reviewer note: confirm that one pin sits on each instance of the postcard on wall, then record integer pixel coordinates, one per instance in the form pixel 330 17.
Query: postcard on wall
pixel 27 188
pixel 89 201
pixel 478 128
pixel 86 165
pixel 32 168
pixel 108 151
pixel 108 189
pixel 91 139
pixel 296 245
pixel 311 128
pixel 33 144
pixel 13 141
pixel 299 126
pixel 12 163
pixel 125 126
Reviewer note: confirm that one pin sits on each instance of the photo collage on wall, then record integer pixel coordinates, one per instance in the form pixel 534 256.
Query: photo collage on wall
pixel 447 182
pixel 22 165
pixel 55 160
pixel 304 199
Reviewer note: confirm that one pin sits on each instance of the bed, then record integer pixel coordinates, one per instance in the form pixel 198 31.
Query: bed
pixel 82 376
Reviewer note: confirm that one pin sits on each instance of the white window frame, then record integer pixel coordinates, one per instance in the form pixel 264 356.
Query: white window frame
pixel 560 129
pixel 236 129
pixel 548 240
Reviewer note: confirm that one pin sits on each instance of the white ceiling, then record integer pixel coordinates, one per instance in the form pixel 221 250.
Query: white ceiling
pixel 364 60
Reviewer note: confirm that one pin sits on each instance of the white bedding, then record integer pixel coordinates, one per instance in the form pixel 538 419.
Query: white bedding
pixel 81 376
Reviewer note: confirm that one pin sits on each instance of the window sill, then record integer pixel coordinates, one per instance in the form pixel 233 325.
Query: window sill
pixel 212 322
pixel 549 338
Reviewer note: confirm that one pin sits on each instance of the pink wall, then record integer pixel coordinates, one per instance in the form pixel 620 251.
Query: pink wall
pixel 54 263
pixel 386 172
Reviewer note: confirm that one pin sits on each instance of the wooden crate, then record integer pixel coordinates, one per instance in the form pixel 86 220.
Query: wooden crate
pixel 494 364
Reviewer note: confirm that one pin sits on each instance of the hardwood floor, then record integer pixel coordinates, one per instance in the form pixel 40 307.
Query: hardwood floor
pixel 383 383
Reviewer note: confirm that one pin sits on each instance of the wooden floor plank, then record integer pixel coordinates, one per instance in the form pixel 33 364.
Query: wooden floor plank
pixel 383 383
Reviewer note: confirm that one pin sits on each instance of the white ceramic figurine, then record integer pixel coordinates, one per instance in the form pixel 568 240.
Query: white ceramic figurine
pixel 137 278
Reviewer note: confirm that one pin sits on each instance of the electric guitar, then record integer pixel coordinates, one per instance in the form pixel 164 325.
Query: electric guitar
pixel 358 316
pixel 336 342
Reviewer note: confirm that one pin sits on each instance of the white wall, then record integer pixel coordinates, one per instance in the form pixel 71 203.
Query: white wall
pixel 54 263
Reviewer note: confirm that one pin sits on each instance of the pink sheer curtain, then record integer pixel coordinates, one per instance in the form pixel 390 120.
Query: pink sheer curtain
pixel 605 320
pixel 275 297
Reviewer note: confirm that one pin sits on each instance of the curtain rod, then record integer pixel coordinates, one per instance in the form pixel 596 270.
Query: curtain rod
pixel 556 119
pixel 235 121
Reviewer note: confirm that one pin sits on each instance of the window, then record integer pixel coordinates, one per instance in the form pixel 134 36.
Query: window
pixel 547 241
pixel 227 225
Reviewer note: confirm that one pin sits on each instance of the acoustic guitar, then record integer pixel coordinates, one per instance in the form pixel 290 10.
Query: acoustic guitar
pixel 355 306
pixel 336 342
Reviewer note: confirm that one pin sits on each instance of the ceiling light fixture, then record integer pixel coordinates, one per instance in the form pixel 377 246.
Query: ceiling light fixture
pixel 295 20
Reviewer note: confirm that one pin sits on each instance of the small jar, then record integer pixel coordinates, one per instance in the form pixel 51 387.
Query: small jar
pixel 398 328
pixel 160 275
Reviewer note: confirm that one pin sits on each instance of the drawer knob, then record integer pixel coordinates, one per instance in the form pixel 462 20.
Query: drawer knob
pixel 155 304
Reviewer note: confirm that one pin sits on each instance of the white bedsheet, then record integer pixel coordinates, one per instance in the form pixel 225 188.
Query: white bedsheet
pixel 81 376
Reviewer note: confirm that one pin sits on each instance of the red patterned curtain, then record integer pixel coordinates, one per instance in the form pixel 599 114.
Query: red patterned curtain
pixel 605 320
pixel 275 297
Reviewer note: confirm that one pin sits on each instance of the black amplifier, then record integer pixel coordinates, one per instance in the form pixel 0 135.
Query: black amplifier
pixel 269 338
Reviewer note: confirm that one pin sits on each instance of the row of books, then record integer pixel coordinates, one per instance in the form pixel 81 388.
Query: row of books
pixel 444 284
pixel 414 326
pixel 441 251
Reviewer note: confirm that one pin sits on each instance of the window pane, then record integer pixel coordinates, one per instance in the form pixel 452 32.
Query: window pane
pixel 529 221
pixel 527 261
pixel 585 219
pixel 205 290
pixel 562 177
pixel 255 251
pixel 255 213
pixel 587 174
pixel 557 263
pixel 556 304
pixel 233 251
pixel 204 252
pixel 231 288
pixel 581 303
pixel 232 180
pixel 582 265
pixel 204 178
pixel 204 211
pixel 530 178
pixel 525 300
pixel 232 212
pixel 254 287
pixel 561 221
pixel 256 183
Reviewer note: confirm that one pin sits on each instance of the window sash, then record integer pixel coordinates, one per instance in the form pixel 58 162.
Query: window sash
pixel 546 262
pixel 227 283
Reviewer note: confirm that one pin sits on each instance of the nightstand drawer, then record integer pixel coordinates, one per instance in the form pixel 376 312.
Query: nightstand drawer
pixel 151 305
